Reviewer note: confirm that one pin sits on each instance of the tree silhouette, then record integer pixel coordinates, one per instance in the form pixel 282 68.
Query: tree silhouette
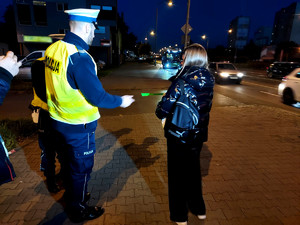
pixel 128 39
pixel 288 49
pixel 252 51
pixel 144 49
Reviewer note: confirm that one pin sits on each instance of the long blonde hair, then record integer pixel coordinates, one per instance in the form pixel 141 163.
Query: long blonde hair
pixel 195 55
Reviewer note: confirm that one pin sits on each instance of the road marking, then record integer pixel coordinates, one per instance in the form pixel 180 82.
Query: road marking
pixel 148 94
pixel 269 93
pixel 247 82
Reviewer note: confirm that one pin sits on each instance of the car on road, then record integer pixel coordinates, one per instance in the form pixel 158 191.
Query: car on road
pixel 281 69
pixel 289 88
pixel 25 68
pixel 225 71
pixel 171 58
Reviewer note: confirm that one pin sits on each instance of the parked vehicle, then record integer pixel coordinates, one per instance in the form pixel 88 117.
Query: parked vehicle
pixel 289 88
pixel 225 71
pixel 281 69
pixel 25 68
pixel 33 56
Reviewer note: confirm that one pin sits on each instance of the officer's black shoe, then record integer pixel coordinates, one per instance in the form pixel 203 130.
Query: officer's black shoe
pixel 52 186
pixel 89 213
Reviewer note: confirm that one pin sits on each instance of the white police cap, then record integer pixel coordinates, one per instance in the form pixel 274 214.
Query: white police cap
pixel 83 15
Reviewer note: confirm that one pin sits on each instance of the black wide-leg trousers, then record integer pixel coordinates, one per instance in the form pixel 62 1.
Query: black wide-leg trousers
pixel 184 179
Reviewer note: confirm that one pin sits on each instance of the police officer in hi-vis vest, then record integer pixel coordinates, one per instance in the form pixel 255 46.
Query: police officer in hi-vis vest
pixel 74 94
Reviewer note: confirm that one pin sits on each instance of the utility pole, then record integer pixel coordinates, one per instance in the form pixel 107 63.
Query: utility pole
pixel 187 23
pixel 155 36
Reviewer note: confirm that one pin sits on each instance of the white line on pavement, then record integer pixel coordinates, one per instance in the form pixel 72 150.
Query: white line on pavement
pixel 269 93
pixel 247 82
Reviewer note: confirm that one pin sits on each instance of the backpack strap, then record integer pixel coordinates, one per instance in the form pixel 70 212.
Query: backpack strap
pixel 181 85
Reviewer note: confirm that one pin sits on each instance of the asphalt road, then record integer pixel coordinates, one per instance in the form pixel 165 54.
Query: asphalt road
pixel 137 78
pixel 250 164
pixel 256 88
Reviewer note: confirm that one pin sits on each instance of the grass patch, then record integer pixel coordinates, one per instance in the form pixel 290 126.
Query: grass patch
pixel 13 131
pixel 106 71
pixel 103 73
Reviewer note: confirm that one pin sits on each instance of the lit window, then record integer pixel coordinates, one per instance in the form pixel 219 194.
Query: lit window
pixel 95 7
pixel 101 30
pixel 107 8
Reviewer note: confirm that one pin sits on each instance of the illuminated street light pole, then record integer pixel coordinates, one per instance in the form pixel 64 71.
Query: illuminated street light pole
pixel 235 48
pixel 155 36
pixel 187 23
pixel 204 37
pixel 170 4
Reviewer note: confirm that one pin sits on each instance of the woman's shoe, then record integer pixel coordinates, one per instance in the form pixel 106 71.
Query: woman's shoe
pixel 201 217
pixel 181 223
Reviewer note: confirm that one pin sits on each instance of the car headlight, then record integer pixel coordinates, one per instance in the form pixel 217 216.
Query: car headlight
pixel 240 75
pixel 224 74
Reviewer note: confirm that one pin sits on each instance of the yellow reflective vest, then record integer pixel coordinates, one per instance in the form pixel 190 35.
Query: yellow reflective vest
pixel 65 104
pixel 37 102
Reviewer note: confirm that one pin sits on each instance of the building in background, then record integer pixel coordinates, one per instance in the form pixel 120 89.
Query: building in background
pixel 268 53
pixel 39 23
pixel 287 25
pixel 262 37
pixel 238 32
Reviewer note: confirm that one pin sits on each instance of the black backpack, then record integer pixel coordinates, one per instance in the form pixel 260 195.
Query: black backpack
pixel 185 116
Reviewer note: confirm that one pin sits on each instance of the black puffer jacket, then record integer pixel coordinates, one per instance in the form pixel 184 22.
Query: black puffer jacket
pixel 198 84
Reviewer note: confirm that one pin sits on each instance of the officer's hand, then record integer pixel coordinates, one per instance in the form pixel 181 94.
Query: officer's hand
pixel 127 100
pixel 10 63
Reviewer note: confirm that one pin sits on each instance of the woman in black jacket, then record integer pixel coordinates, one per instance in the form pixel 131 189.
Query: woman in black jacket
pixel 184 175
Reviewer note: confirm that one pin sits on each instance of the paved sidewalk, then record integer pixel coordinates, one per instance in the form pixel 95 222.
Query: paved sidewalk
pixel 250 167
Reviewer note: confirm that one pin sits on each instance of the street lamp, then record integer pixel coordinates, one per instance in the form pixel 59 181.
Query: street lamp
pixel 170 4
pixel 204 37
pixel 230 32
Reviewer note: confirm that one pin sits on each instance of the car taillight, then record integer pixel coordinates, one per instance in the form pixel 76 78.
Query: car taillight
pixel 267 67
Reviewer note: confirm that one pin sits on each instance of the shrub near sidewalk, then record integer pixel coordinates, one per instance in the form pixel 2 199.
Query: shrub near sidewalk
pixel 105 72
pixel 13 131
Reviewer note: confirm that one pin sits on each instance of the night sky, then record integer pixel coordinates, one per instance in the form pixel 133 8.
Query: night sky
pixel 211 17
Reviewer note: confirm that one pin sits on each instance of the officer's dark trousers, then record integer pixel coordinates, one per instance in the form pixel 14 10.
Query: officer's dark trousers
pixel 48 144
pixel 184 179
pixel 80 150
